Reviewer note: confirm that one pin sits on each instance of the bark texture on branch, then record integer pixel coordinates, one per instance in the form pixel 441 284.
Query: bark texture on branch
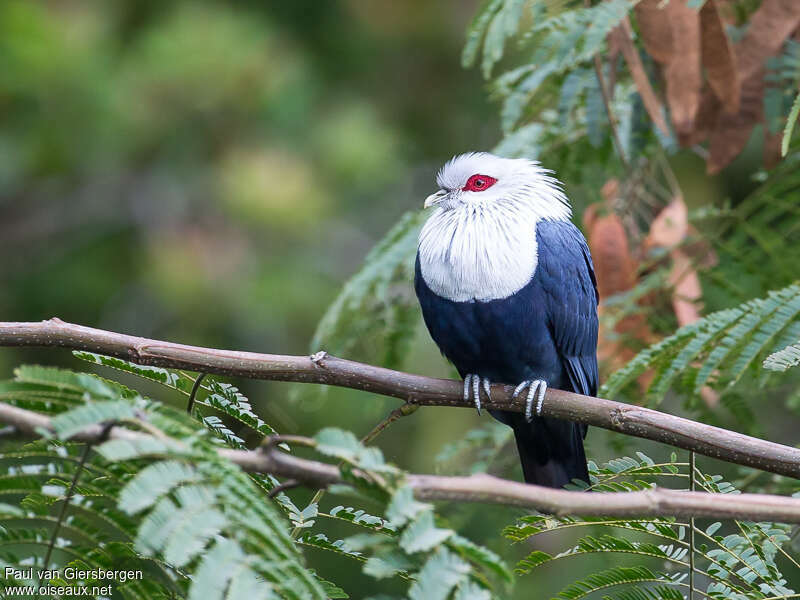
pixel 325 369
pixel 476 488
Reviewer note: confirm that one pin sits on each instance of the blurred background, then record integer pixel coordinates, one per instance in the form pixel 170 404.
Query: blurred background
pixel 212 172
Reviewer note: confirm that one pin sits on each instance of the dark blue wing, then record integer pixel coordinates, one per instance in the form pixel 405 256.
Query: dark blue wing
pixel 567 278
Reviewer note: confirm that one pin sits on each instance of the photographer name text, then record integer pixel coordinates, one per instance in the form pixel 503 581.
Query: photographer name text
pixel 72 574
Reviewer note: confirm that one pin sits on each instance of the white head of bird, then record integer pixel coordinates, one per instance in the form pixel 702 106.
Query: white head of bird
pixel 480 241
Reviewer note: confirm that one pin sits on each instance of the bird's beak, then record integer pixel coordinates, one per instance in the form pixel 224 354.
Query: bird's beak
pixel 434 198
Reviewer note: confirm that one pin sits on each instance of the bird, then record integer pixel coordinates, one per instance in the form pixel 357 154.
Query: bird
pixel 508 293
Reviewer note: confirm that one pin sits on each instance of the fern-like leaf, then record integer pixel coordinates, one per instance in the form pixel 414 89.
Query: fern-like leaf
pixel 717 349
pixel 783 359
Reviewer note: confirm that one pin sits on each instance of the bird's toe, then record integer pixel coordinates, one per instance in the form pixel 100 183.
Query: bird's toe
pixel 536 390
pixel 474 383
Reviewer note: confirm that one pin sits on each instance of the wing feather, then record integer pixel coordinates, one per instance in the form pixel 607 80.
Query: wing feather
pixel 567 273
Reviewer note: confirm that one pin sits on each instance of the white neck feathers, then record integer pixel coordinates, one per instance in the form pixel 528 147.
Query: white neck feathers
pixel 478 253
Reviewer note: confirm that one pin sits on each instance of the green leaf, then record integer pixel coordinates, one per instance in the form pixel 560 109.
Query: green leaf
pixel 522 143
pixel 421 535
pixel 504 24
pixel 515 103
pixel 170 498
pixel 605 544
pixel 783 359
pixel 246 584
pixel 481 556
pixel 441 573
pixel 607 578
pixel 220 396
pixel 468 590
pixel 332 591
pixel 403 507
pixel 344 445
pixel 69 423
pixel 227 399
pixel 387 564
pixel 321 542
pixel 166 377
pixel 658 592
pixel 361 518
pixel 146 446
pixel 215 571
pixel 477 30
pixel 196 526
pixel 153 482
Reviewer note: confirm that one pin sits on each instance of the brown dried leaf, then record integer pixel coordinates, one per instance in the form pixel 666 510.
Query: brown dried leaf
pixel 732 132
pixel 710 397
pixel 770 25
pixel 686 290
pixel 683 73
pixel 621 39
pixel 616 269
pixel 706 120
pixel 655 29
pixel 610 191
pixel 613 262
pixel 719 58
pixel 670 226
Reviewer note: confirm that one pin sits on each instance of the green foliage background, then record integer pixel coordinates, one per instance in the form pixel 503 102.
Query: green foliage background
pixel 213 173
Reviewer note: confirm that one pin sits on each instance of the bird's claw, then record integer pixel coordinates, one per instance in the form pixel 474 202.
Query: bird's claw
pixel 475 381
pixel 533 385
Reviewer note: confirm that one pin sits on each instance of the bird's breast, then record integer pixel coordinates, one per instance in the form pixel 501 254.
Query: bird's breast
pixel 478 254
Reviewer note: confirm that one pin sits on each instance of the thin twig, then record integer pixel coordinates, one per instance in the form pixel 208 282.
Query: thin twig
pixel 598 71
pixel 282 487
pixel 193 393
pixel 73 484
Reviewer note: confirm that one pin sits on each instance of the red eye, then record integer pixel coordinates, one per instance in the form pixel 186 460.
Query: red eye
pixel 478 183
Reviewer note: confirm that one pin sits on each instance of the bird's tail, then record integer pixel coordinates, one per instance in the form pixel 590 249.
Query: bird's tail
pixel 551 451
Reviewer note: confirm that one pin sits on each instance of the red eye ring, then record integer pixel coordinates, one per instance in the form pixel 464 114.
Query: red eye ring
pixel 478 183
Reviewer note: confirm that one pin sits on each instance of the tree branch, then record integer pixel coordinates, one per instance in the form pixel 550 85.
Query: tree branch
pixel 493 490
pixel 475 488
pixel 416 389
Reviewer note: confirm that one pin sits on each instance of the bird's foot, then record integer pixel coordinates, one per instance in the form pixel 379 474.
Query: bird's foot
pixel 475 381
pixel 533 385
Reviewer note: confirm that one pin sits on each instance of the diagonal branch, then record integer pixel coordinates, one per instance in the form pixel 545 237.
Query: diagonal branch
pixel 475 488
pixel 416 389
